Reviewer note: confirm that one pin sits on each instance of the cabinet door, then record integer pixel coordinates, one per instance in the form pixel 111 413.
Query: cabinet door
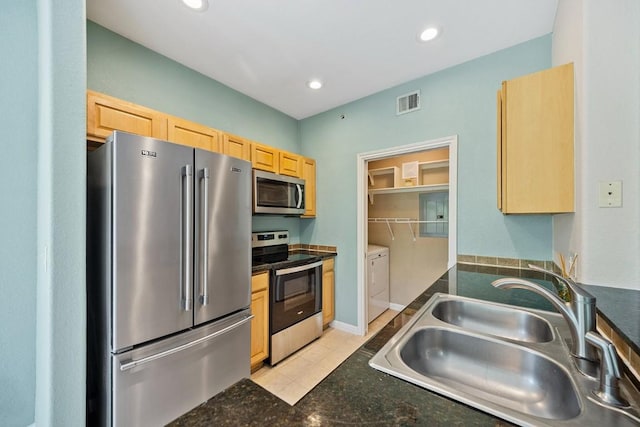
pixel 328 289
pixel 106 114
pixel 536 142
pixel 290 164
pixel 192 134
pixel 309 176
pixel 265 158
pixel 260 321
pixel 236 146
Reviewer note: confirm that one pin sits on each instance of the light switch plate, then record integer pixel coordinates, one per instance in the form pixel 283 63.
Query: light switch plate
pixel 610 194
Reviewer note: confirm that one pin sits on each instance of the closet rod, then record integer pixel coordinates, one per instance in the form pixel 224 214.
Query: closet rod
pixel 408 221
pixel 405 221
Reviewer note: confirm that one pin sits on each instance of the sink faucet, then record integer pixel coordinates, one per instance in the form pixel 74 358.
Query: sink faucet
pixel 580 313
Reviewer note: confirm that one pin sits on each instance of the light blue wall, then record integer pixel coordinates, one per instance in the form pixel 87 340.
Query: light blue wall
pixel 18 164
pixel 457 101
pixel 42 212
pixel 61 177
pixel 124 69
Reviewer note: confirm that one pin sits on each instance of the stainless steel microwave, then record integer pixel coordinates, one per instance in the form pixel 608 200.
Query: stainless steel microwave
pixel 277 194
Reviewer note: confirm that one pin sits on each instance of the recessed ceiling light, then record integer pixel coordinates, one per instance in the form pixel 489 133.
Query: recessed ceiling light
pixel 314 84
pixel 198 5
pixel 429 34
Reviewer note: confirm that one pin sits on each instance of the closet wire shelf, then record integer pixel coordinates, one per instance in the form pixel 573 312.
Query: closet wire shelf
pixel 408 221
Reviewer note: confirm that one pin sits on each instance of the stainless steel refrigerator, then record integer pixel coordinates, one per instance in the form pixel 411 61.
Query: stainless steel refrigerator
pixel 169 278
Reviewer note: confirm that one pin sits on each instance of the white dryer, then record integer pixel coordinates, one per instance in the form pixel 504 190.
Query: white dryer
pixel 377 280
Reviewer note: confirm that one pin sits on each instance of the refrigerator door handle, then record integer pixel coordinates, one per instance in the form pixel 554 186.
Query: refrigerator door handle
pixel 187 245
pixel 134 363
pixel 204 221
pixel 300 199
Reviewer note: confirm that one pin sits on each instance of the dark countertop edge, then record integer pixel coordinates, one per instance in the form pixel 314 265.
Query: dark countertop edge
pixel 261 268
pixel 321 254
pixel 616 306
pixel 634 346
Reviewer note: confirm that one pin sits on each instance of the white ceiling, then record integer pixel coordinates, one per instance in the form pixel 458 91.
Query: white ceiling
pixel 269 49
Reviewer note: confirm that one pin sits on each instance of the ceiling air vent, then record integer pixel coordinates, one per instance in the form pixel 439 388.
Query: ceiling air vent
pixel 408 102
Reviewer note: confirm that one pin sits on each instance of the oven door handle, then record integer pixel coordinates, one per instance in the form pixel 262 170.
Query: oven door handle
pixel 298 268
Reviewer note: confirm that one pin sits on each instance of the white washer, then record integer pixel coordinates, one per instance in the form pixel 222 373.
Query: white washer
pixel 377 280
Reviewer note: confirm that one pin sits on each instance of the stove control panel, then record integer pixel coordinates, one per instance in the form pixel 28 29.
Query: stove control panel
pixel 269 238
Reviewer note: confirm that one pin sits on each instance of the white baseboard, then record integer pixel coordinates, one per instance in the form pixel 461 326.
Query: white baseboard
pixel 396 307
pixel 346 327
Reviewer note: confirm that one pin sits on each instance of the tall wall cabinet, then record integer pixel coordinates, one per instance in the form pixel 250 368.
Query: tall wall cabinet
pixel 535 143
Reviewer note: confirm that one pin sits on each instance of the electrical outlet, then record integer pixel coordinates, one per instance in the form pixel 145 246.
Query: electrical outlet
pixel 610 194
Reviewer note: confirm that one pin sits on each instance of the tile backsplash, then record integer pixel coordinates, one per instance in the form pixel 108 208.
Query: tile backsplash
pixel 506 262
pixel 317 248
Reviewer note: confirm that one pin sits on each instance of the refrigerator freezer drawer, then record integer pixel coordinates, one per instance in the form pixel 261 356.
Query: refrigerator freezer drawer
pixel 155 384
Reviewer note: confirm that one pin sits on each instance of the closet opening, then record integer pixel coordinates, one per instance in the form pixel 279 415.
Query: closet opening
pixel 406 223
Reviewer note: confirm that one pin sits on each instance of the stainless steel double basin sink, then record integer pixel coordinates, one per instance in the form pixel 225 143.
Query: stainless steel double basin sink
pixel 508 361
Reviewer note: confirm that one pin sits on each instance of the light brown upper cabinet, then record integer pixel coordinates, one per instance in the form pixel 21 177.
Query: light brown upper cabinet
pixel 290 164
pixel 106 114
pixel 309 176
pixel 535 143
pixel 265 158
pixel 193 134
pixel 236 146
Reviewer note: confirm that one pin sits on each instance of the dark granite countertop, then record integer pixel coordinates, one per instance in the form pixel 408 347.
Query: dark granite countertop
pixel 356 394
pixel 621 307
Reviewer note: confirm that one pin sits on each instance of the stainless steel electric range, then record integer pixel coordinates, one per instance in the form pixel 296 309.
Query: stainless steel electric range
pixel 295 293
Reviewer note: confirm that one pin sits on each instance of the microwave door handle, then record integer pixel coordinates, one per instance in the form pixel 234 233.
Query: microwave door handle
pixel 299 188
pixel 204 296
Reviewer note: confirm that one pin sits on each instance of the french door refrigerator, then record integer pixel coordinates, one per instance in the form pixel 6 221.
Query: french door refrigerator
pixel 168 278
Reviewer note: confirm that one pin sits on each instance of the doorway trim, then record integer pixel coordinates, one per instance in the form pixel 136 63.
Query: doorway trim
pixel 362 209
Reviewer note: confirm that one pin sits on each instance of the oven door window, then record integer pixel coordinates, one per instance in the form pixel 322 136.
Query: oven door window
pixel 294 297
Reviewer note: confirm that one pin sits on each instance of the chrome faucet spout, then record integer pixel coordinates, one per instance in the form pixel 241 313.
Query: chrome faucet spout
pixel 580 312
pixel 563 308
pixel 583 306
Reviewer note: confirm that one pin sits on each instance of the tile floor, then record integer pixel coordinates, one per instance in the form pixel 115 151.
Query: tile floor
pixel 295 376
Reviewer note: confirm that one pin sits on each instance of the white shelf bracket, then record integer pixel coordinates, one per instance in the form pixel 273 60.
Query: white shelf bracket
pixel 370 197
pixel 390 231
pixel 413 235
